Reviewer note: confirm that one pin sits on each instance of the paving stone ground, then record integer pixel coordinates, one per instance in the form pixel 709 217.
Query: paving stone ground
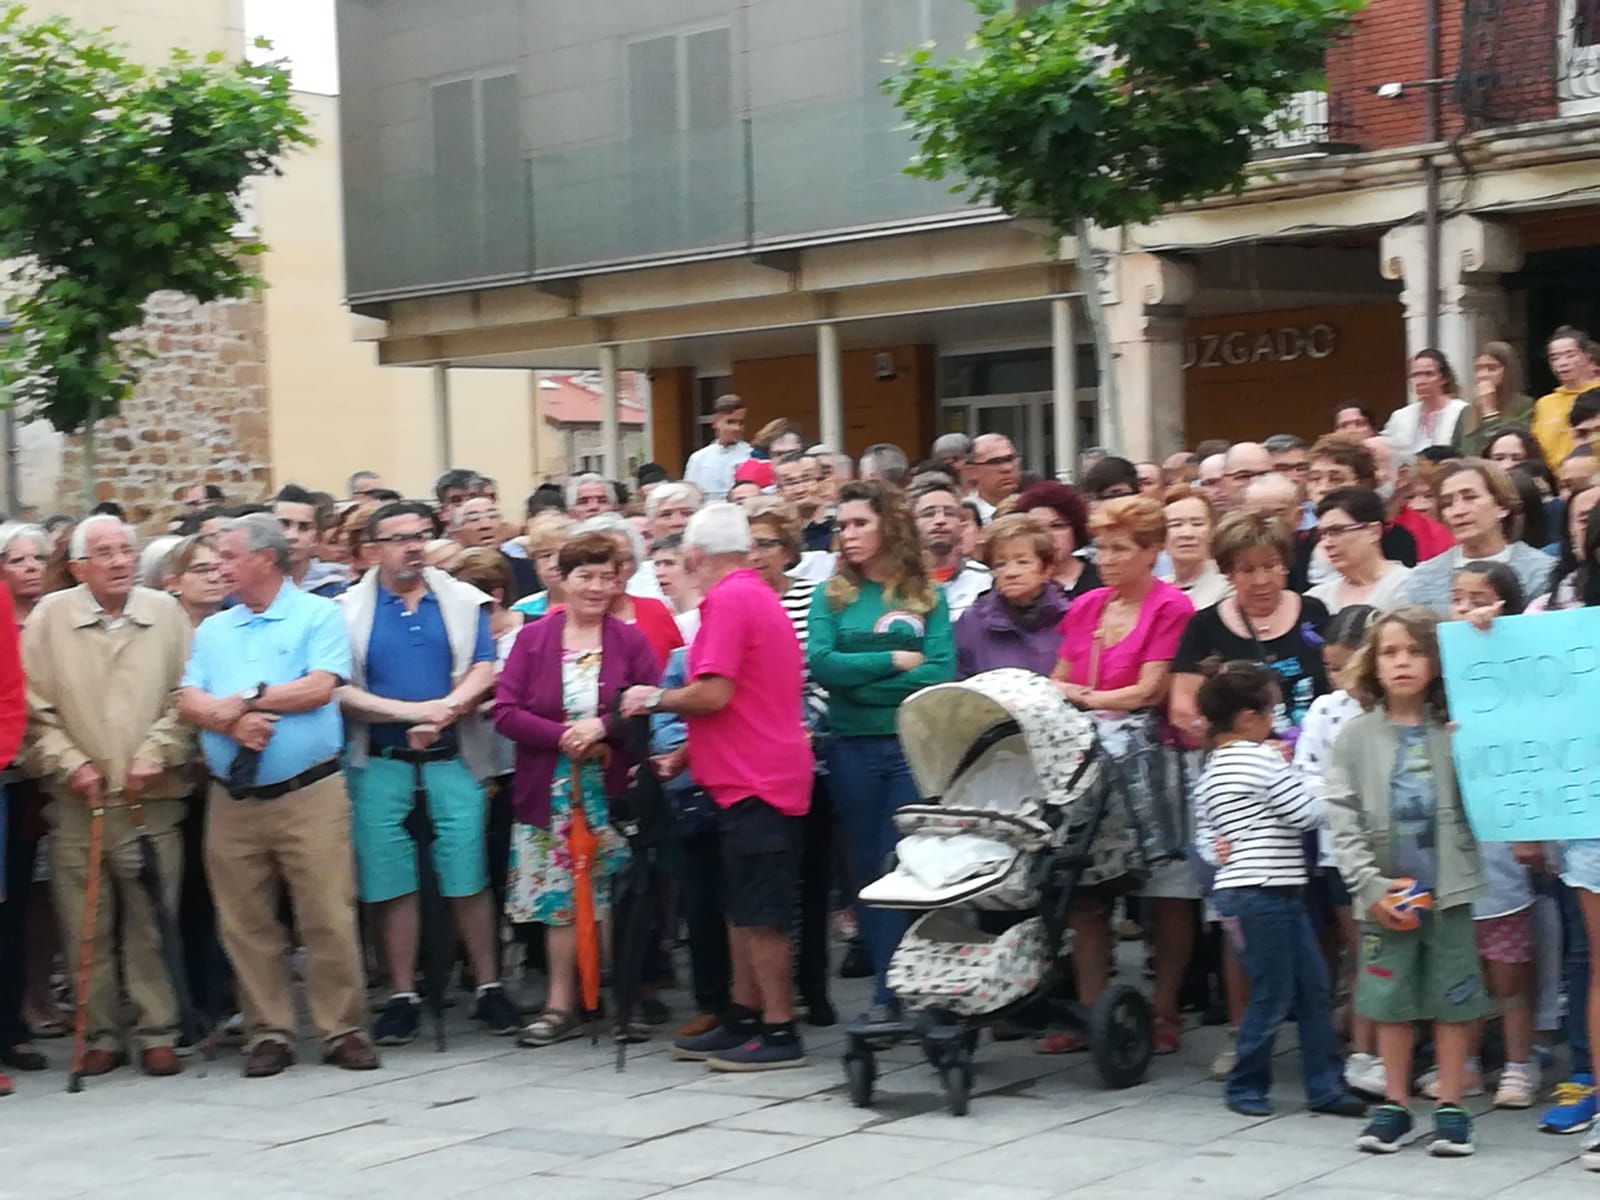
pixel 487 1119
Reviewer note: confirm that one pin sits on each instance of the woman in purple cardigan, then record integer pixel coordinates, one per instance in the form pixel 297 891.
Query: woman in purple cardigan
pixel 1015 623
pixel 556 701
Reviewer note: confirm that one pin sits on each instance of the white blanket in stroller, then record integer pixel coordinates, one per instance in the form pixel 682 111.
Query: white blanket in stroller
pixel 937 862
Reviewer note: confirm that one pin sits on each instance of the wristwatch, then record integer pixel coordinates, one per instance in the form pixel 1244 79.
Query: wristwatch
pixel 654 703
pixel 252 695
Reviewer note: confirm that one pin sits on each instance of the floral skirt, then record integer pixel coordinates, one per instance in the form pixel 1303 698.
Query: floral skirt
pixel 539 882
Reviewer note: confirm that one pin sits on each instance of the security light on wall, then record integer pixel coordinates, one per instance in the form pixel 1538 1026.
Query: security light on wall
pixel 883 367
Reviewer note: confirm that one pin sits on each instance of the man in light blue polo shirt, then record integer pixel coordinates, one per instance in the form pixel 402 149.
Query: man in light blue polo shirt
pixel 260 684
pixel 422 662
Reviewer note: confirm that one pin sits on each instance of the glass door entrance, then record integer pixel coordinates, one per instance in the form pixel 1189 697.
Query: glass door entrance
pixel 1027 418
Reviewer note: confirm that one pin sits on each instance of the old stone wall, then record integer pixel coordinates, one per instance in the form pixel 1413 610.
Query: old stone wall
pixel 199 414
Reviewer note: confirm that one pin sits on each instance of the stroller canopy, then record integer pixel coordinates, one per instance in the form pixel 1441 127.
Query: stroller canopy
pixel 946 729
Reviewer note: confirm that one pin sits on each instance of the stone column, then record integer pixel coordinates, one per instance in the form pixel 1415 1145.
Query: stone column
pixel 1473 254
pixel 1147 334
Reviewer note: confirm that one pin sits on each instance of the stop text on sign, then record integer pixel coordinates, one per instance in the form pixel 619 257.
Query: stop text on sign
pixel 1241 348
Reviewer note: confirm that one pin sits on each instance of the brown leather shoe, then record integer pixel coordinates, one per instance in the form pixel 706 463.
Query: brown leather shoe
pixel 161 1060
pixel 268 1058
pixel 698 1024
pixel 102 1062
pixel 352 1052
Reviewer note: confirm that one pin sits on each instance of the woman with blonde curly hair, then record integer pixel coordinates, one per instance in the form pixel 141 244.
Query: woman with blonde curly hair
pixel 879 631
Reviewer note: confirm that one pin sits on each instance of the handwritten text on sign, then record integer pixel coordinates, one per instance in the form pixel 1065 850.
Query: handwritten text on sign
pixel 1526 701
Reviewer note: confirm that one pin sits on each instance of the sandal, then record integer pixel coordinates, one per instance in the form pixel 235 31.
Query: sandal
pixel 1060 1043
pixel 49 1029
pixel 1166 1036
pixel 552 1026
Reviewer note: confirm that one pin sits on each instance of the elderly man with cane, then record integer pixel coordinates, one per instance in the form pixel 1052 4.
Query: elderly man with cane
pixel 260 684
pixel 748 748
pixel 103 663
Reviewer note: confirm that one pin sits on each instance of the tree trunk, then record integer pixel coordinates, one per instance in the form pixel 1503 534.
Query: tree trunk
pixel 1091 274
pixel 89 474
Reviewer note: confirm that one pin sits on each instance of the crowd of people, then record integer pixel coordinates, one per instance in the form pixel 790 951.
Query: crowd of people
pixel 230 725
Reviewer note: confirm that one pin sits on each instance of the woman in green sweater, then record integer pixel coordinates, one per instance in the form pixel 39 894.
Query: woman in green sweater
pixel 879 631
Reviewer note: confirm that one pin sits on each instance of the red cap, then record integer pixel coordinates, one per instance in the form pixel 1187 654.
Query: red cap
pixel 754 470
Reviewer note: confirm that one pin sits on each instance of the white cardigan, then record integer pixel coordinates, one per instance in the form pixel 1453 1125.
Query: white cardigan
pixel 459 604
pixel 1404 429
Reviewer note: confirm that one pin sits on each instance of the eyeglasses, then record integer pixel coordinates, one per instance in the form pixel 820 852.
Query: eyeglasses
pixel 798 481
pixel 404 539
pixel 767 543
pixel 1117 491
pixel 1340 531
pixel 111 556
pixel 1005 460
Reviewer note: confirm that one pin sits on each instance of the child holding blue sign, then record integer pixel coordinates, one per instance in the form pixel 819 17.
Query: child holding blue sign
pixel 1402 842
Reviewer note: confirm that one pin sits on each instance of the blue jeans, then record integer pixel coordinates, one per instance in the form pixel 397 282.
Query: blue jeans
pixel 1575 978
pixel 869 780
pixel 1271 932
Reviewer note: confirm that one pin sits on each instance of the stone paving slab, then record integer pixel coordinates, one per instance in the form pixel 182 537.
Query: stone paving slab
pixel 487 1119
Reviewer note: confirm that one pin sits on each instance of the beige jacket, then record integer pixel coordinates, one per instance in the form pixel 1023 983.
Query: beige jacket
pixel 106 696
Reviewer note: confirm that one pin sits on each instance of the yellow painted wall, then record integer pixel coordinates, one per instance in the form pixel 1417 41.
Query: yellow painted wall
pixel 151 28
pixel 334 410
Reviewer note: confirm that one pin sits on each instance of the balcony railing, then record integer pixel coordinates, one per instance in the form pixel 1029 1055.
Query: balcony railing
pixel 1299 127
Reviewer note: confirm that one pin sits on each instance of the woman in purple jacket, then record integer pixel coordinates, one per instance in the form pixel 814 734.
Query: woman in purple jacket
pixel 1015 623
pixel 556 700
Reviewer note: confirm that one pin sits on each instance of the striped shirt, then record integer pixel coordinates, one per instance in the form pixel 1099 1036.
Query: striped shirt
pixel 1260 805
pixel 797 603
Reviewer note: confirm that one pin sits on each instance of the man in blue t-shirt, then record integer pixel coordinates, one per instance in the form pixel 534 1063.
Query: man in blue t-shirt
pixel 423 660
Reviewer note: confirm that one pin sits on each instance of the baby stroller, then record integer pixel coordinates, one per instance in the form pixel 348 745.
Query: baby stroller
pixel 1015 791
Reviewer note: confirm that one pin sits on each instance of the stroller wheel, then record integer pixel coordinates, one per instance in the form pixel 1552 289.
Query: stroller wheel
pixel 1121 1040
pixel 860 1072
pixel 957 1081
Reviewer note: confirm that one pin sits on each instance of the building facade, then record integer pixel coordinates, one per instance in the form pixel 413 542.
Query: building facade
pixel 712 192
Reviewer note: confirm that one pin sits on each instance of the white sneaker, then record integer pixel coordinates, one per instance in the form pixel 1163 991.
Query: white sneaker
pixel 1519 1084
pixel 1590 1158
pixel 1227 1055
pixel 1364 1073
pixel 1428 1082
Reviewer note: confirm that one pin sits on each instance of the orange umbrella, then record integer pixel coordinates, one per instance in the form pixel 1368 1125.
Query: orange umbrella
pixel 584 844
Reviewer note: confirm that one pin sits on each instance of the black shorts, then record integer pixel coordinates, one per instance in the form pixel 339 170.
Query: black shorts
pixel 760 862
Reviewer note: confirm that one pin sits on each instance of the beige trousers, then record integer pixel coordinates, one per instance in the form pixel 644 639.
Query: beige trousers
pixel 301 841
pixel 123 903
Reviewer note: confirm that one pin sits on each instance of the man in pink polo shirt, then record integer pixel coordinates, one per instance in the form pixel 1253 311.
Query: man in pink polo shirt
pixel 749 750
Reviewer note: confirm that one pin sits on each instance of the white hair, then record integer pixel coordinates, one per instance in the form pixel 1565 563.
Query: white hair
pixel 612 523
pixel 262 531
pixel 679 491
pixel 1271 484
pixel 588 477
pixel 718 529
pixel 12 530
pixel 78 544
pixel 153 560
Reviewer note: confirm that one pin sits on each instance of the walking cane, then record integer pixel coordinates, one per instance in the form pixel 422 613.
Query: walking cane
pixel 438 948
pixel 91 914
pixel 640 815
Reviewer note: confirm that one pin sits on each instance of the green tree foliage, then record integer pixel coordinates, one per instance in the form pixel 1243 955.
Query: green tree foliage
pixel 1075 112
pixel 1110 110
pixel 117 181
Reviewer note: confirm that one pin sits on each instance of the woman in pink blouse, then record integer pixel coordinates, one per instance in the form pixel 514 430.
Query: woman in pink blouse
pixel 1117 644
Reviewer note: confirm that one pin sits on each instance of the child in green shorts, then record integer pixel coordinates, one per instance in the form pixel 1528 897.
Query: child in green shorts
pixel 1395 814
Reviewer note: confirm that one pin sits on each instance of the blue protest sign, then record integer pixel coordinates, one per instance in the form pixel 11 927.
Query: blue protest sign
pixel 1525 698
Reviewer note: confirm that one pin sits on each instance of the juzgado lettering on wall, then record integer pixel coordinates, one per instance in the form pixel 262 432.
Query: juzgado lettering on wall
pixel 1240 348
pixel 1524 698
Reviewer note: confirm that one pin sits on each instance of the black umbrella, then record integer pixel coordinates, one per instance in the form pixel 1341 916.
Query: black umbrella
pixel 438 941
pixel 149 877
pixel 640 815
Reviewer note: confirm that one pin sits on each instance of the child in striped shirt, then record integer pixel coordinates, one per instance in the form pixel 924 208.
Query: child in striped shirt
pixel 1251 808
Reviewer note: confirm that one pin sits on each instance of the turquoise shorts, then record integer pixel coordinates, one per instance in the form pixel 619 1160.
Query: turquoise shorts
pixel 386 857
